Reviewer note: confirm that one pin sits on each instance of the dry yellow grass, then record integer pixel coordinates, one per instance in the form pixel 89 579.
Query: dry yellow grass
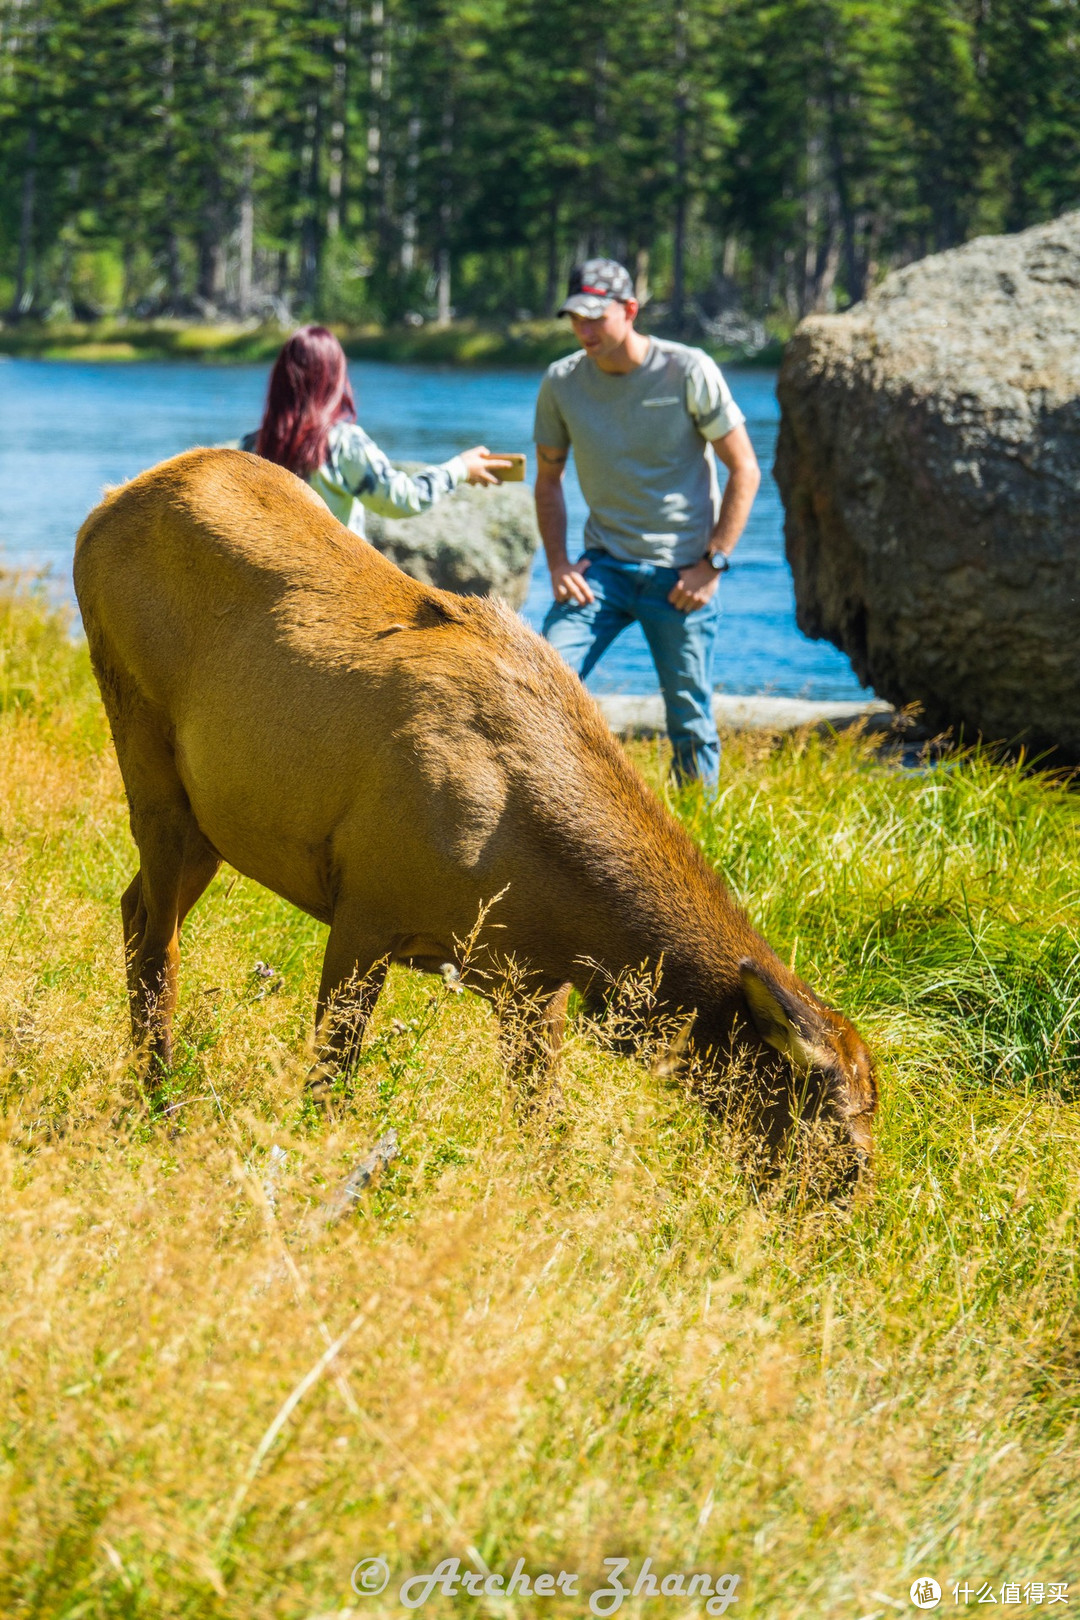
pixel 561 1347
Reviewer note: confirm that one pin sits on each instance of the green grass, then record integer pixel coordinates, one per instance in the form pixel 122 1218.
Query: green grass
pixel 464 343
pixel 565 1346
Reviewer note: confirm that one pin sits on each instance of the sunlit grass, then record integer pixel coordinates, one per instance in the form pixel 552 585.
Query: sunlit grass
pixel 463 343
pixel 564 1347
pixel 533 343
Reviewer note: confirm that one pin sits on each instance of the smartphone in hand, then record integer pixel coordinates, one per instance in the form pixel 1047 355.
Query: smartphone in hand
pixel 515 473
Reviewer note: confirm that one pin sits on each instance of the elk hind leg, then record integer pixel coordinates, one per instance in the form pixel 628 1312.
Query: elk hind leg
pixel 133 918
pixel 200 868
pixel 177 865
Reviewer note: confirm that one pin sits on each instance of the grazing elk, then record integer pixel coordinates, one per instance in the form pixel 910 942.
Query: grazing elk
pixel 389 758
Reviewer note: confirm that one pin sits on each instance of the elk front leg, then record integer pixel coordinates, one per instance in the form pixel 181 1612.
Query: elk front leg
pixel 532 1027
pixel 354 968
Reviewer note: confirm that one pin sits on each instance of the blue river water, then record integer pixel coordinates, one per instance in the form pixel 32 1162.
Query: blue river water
pixel 67 429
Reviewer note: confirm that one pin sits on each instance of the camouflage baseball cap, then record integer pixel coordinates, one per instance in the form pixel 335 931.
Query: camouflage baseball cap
pixel 594 285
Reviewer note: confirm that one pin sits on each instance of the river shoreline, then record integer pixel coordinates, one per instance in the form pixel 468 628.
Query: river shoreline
pixel 632 714
pixel 69 429
pixel 472 344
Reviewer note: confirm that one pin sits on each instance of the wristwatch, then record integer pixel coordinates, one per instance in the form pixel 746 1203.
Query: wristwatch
pixel 719 560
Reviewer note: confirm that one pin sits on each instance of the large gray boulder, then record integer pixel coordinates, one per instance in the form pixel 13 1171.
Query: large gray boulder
pixel 929 462
pixel 477 541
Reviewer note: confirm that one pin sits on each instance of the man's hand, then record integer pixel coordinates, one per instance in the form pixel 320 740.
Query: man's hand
pixel 695 587
pixel 568 582
pixel 478 462
pixel 567 578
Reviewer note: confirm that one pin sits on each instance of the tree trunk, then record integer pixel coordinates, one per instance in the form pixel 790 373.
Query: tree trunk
pixel 246 244
pixel 174 272
pixel 446 185
pixel 174 269
pixel 552 290
pixel 24 290
pixel 678 257
pixel 598 176
pixel 678 266
pixel 854 275
pixel 310 242
pixel 211 269
pixel 826 266
pixel 335 180
pixel 211 273
pixel 245 234
pixel 641 276
pixel 378 90
pixel 854 270
pixel 408 217
pixel 445 307
pixel 822 249
pixel 127 275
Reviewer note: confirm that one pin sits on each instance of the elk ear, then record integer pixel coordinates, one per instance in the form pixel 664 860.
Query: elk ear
pixel 781 1018
pixel 671 1061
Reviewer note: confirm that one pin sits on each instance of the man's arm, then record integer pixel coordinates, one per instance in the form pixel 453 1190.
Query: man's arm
pixel 696 584
pixel 567 580
pixel 744 480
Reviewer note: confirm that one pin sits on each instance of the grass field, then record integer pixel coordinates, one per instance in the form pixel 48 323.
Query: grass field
pixel 556 1349
pixel 464 343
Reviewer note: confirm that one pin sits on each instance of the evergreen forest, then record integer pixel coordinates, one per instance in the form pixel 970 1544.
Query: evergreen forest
pixel 417 160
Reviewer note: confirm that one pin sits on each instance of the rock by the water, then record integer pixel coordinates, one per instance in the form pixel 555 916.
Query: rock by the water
pixel 929 463
pixel 479 541
pixel 645 716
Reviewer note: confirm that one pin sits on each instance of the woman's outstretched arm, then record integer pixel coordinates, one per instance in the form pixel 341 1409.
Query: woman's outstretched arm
pixel 366 472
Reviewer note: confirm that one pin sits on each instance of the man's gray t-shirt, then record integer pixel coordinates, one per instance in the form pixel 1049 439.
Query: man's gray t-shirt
pixel 641 446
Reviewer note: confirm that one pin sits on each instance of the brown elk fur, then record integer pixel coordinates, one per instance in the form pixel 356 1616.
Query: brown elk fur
pixel 390 758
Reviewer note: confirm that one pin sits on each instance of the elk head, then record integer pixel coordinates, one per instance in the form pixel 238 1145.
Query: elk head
pixel 832 1064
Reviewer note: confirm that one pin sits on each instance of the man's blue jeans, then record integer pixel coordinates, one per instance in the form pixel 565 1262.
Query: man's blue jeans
pixel 682 646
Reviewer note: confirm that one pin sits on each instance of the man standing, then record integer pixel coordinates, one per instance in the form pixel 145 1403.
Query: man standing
pixel 640 414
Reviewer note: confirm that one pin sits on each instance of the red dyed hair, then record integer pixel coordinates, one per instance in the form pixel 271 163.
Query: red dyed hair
pixel 308 392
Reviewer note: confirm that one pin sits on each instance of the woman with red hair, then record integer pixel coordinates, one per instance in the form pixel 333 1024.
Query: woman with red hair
pixel 310 426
